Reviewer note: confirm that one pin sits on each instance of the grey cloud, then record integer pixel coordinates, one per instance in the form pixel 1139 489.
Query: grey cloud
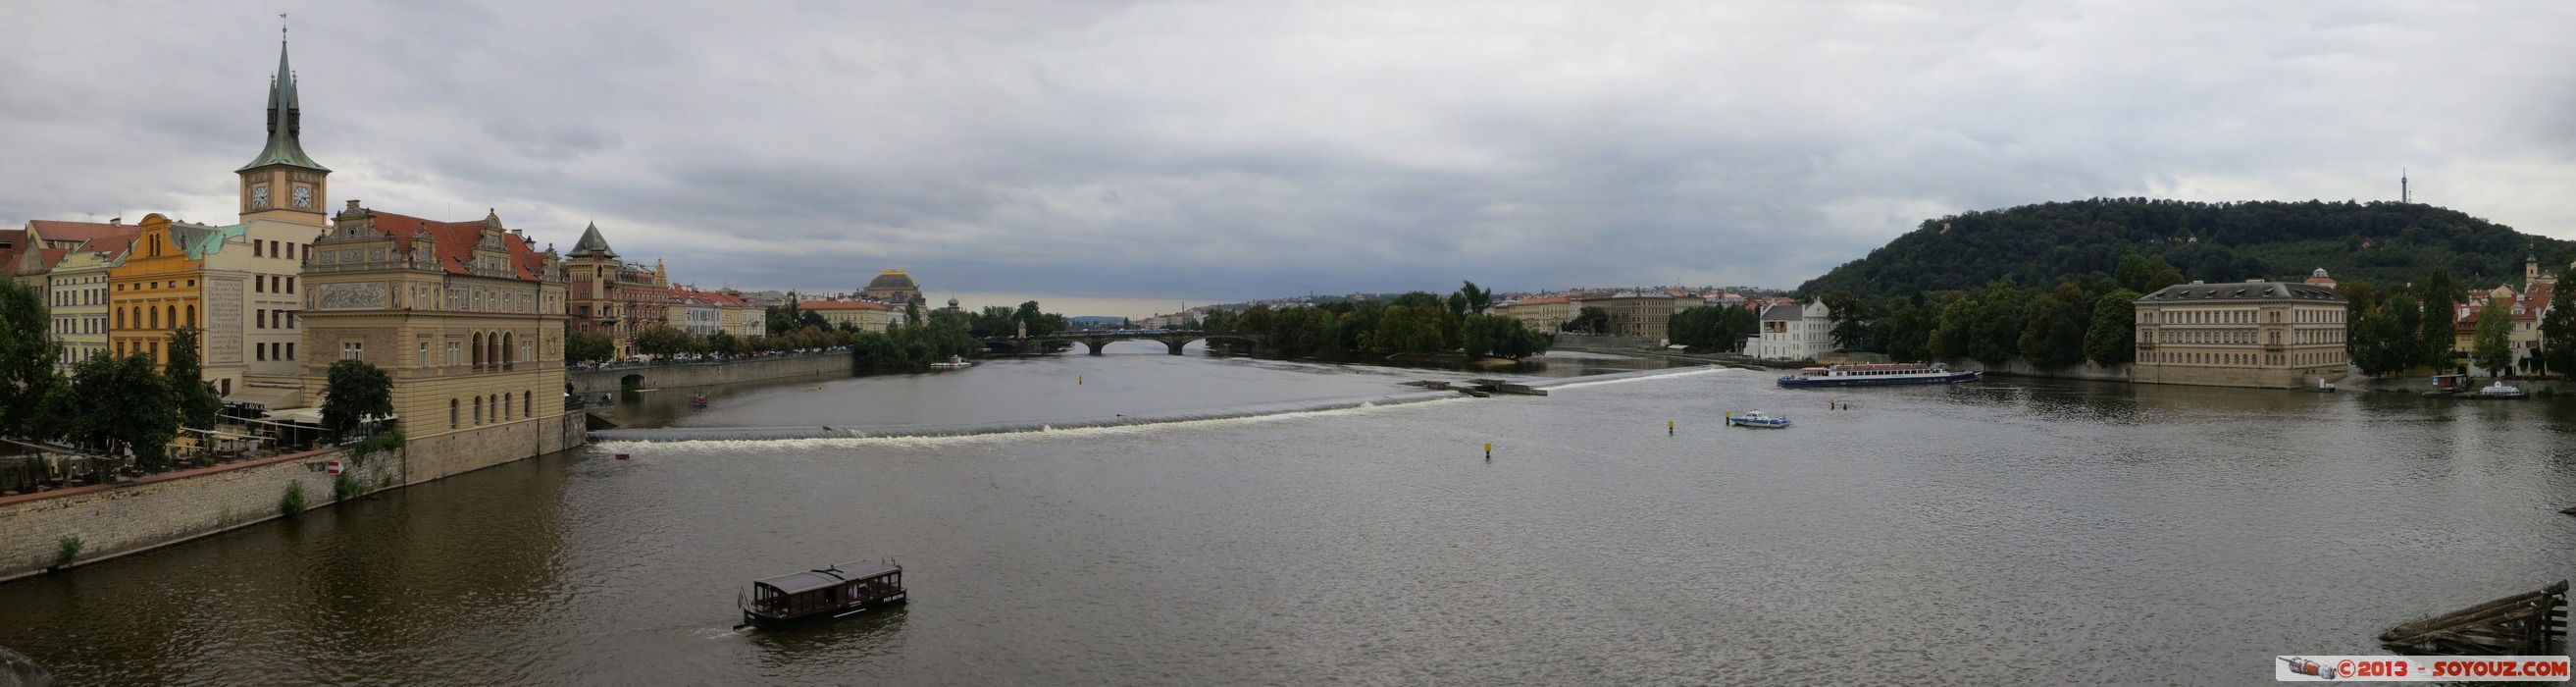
pixel 1243 149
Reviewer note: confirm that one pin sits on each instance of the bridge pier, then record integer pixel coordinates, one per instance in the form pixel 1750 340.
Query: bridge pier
pixel 1176 345
pixel 1096 346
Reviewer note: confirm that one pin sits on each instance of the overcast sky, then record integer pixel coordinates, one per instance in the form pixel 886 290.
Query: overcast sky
pixel 1223 150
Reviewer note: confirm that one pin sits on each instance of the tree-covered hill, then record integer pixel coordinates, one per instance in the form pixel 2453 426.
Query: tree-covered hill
pixel 2037 245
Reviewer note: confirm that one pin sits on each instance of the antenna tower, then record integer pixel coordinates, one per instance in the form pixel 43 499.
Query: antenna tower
pixel 2403 195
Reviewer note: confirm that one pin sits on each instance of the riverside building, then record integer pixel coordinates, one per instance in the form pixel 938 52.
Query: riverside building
pixel 2254 333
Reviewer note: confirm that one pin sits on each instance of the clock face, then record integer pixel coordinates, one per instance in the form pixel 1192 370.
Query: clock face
pixel 303 196
pixel 259 196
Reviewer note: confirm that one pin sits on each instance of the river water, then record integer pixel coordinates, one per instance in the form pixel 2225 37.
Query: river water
pixel 2007 532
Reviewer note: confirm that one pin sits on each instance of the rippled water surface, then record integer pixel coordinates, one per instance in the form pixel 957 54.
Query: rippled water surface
pixel 2015 532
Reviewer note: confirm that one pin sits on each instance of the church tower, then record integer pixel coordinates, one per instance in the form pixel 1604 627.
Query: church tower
pixel 282 183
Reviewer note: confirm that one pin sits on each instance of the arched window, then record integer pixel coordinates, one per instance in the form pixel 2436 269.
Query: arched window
pixel 192 315
pixel 120 318
pixel 478 410
pixel 508 351
pixel 451 413
pixel 156 318
pixel 478 353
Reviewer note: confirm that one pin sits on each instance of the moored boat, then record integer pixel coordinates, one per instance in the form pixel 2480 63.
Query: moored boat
pixel 953 363
pixel 823 594
pixel 1757 419
pixel 1877 375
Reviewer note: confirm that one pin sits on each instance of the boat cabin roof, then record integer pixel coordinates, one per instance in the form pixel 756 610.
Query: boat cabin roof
pixel 819 578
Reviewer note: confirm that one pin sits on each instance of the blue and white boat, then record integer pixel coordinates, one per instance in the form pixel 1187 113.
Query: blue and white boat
pixel 1876 375
pixel 1756 418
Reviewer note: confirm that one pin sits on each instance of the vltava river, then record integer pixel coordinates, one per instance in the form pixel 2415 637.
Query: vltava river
pixel 2008 532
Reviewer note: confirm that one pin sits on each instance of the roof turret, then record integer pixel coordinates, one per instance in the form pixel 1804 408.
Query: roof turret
pixel 591 244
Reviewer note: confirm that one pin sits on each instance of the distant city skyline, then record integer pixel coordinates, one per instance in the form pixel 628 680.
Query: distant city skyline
pixel 1116 155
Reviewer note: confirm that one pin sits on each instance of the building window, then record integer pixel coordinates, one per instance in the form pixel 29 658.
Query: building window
pixel 259 319
pixel 351 350
pixel 290 285
pixel 451 413
pixel 424 354
pixel 290 350
pixel 478 410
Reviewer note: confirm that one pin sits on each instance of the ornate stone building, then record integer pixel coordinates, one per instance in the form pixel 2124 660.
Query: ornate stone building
pixel 467 317
pixel 893 286
pixel 2252 333
pixel 613 298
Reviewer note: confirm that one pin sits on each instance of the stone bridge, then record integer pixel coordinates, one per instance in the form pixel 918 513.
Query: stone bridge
pixel 1175 339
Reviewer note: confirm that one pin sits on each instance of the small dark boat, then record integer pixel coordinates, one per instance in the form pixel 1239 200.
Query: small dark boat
pixel 823 594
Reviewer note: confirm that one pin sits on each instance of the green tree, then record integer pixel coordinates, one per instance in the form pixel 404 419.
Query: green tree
pixel 353 391
pixel 1477 300
pixel 126 404
pixel 2438 337
pixel 198 402
pixel 724 343
pixel 2052 331
pixel 27 356
pixel 664 340
pixel 1850 322
pixel 2145 274
pixel 585 347
pixel 2558 328
pixel 2113 337
pixel 2492 347
pixel 1497 336
pixel 1591 319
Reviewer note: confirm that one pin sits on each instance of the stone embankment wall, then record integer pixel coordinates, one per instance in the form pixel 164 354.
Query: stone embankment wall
pixel 705 373
pixel 168 508
pixel 164 509
pixel 482 447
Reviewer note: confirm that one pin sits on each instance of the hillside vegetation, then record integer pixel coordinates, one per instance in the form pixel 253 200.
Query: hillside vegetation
pixel 2038 245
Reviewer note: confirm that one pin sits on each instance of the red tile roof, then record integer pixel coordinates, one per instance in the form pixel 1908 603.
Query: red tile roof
pixel 114 245
pixel 456 242
pixel 58 230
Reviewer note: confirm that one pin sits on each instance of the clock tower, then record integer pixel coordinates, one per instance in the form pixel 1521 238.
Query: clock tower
pixel 282 183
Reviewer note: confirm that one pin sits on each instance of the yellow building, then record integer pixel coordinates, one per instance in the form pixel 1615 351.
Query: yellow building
pixel 866 316
pixel 1543 313
pixel 155 292
pixel 2253 333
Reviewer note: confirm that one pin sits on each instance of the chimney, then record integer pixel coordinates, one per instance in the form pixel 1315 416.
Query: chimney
pixel 116 222
pixel 353 205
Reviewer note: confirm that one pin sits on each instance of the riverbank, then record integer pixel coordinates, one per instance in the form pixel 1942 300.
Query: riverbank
pixel 65 528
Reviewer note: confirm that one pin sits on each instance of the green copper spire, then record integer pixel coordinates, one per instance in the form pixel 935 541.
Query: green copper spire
pixel 285 122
